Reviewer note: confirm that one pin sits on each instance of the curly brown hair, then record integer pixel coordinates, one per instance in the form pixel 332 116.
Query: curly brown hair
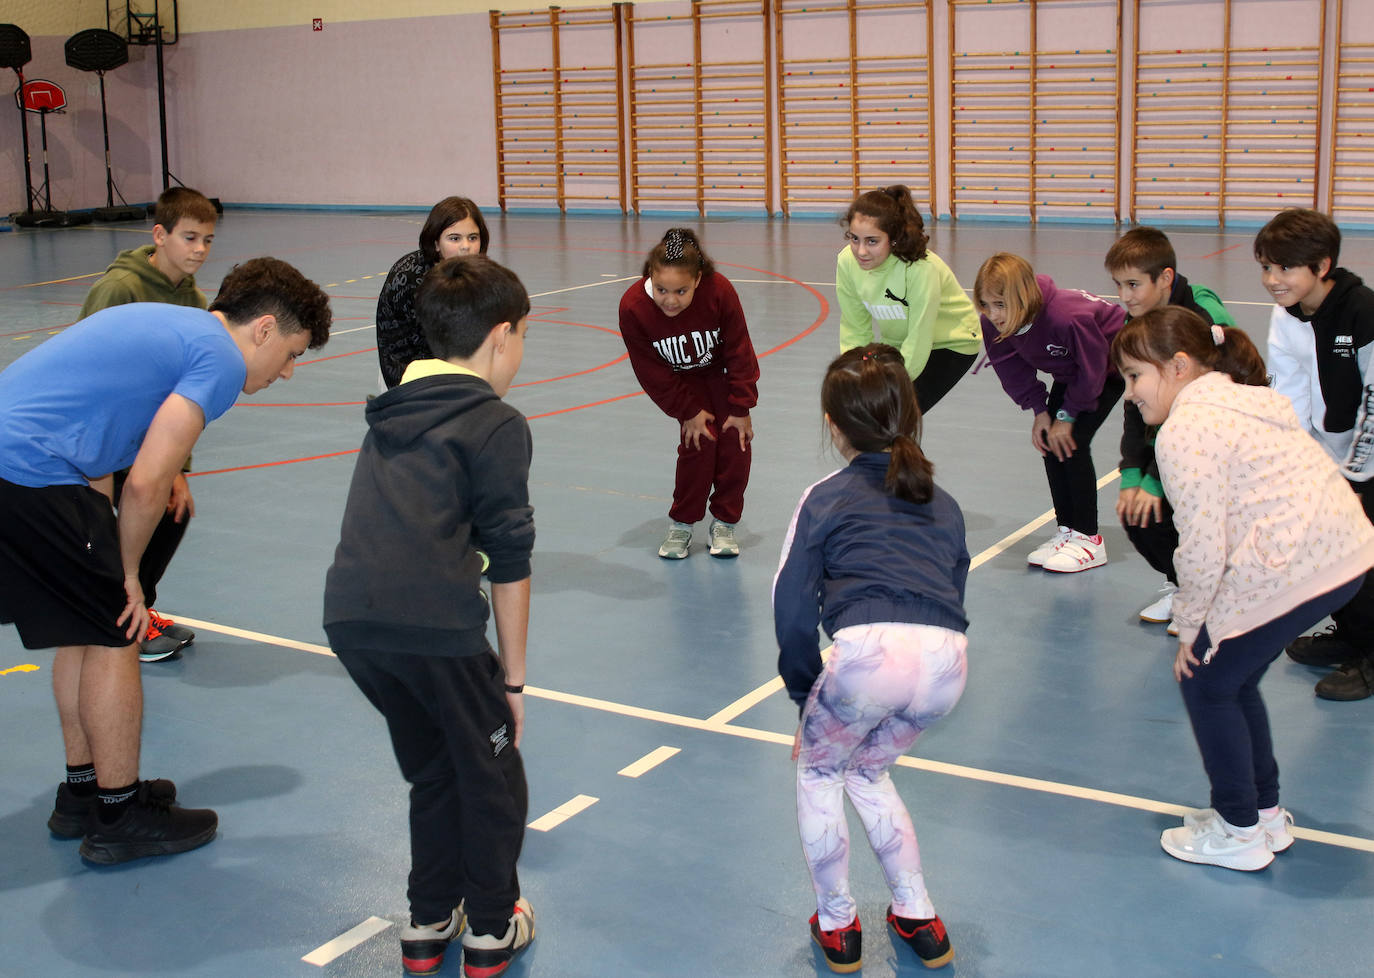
pixel 270 287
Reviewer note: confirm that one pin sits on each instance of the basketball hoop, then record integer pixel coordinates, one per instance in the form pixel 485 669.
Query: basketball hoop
pixel 40 96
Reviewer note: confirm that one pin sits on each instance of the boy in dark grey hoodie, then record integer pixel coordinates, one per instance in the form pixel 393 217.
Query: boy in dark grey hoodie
pixel 441 488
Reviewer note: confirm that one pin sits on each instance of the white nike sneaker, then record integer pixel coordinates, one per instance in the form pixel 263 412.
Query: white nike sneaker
pixel 1207 838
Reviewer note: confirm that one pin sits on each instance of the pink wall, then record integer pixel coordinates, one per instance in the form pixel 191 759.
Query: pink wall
pixel 388 112
pixel 75 144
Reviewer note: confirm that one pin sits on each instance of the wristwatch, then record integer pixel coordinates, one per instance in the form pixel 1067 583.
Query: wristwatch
pixel 1065 416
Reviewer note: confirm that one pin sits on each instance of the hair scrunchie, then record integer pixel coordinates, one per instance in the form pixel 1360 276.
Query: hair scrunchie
pixel 1218 334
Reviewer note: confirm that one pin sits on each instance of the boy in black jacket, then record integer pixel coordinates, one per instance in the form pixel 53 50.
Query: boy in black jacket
pixel 444 471
pixel 1144 269
pixel 1321 342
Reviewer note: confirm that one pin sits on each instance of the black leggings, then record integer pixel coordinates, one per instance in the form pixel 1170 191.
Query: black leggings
pixel 942 371
pixel 1073 482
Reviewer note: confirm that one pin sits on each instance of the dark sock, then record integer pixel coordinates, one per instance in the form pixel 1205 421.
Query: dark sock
pixel 81 780
pixel 114 802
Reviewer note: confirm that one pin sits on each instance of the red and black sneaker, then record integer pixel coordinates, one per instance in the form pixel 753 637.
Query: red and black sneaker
pixel 927 938
pixel 423 945
pixel 843 947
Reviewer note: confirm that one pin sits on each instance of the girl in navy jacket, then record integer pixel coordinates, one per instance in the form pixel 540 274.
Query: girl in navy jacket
pixel 875 554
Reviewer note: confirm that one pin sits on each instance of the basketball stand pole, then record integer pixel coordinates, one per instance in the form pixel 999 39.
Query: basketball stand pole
pixel 110 212
pixel 27 217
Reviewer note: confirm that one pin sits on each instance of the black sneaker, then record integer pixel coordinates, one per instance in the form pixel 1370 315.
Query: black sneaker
pixel 927 938
pixel 151 826
pixel 485 955
pixel 423 947
pixel 1325 648
pixel 70 811
pixel 843 947
pixel 1352 681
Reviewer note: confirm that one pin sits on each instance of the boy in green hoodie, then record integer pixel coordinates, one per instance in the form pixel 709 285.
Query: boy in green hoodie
pixel 164 271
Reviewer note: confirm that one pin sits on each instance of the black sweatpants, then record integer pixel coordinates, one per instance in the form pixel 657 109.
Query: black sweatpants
pixel 1073 482
pixel 1355 621
pixel 452 729
pixel 1157 542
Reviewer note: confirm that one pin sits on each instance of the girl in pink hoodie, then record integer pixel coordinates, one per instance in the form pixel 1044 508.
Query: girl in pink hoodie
pixel 1271 540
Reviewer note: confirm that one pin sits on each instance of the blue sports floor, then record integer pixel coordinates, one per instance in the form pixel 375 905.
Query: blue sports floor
pixel 655 722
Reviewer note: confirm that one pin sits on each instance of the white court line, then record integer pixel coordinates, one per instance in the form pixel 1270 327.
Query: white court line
pixel 354 329
pixel 346 942
pixel 589 285
pixel 563 812
pixel 648 762
pixel 285 643
pixel 714 725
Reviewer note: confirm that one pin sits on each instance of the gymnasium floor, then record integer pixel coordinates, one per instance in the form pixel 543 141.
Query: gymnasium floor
pixel 1038 802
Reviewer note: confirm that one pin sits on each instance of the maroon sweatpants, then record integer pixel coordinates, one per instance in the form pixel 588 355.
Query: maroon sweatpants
pixel 718 470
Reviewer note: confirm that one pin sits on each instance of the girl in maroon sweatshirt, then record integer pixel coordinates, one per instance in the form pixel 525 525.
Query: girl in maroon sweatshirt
pixel 689 346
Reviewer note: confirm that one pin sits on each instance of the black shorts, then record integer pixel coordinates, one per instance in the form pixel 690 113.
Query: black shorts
pixel 61 577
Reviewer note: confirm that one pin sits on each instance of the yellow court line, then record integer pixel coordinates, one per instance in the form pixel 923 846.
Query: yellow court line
pixel 771 737
pixel 59 281
pixel 649 761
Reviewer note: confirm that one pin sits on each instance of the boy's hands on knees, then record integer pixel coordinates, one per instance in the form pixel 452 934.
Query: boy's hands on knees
pixel 1136 507
pixel 134 608
pixel 744 426
pixel 694 429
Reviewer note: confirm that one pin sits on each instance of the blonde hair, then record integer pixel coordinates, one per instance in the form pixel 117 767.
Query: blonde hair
pixel 1011 277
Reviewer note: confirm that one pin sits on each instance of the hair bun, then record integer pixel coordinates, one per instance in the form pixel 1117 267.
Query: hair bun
pixel 674 243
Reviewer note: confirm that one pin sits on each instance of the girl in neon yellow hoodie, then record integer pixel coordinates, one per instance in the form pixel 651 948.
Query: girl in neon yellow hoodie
pixel 886 276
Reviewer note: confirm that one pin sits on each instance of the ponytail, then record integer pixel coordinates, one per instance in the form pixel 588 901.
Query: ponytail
pixel 870 399
pixel 1155 336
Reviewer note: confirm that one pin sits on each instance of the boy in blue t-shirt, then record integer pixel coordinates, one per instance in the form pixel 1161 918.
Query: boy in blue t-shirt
pixel 129 387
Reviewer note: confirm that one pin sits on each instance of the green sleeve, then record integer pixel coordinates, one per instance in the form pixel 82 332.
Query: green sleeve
pixel 1210 301
pixel 1130 478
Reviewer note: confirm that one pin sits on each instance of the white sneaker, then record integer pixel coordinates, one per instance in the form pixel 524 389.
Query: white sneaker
pixel 723 540
pixel 676 545
pixel 1172 629
pixel 1160 610
pixel 1277 827
pixel 1077 553
pixel 1036 557
pixel 1278 833
pixel 1207 838
pixel 487 954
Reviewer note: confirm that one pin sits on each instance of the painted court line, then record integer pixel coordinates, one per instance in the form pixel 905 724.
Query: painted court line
pixel 563 812
pixel 649 761
pixel 346 941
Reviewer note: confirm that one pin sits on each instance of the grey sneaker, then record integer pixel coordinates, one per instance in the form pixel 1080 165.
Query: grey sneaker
pixel 723 540
pixel 676 544
pixel 487 955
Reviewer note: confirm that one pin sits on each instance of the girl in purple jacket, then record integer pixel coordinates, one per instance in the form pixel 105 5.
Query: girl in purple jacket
pixel 1029 327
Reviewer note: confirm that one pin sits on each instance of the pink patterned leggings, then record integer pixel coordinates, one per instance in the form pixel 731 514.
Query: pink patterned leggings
pixel 883 684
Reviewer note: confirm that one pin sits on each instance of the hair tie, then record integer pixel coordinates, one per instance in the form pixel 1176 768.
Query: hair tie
pixel 673 244
pixel 1218 334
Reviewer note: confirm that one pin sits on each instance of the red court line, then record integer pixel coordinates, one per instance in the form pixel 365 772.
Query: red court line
pixel 1222 251
pixel 824 313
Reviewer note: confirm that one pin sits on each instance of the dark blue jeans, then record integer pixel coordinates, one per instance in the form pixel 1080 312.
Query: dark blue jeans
pixel 1228 715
